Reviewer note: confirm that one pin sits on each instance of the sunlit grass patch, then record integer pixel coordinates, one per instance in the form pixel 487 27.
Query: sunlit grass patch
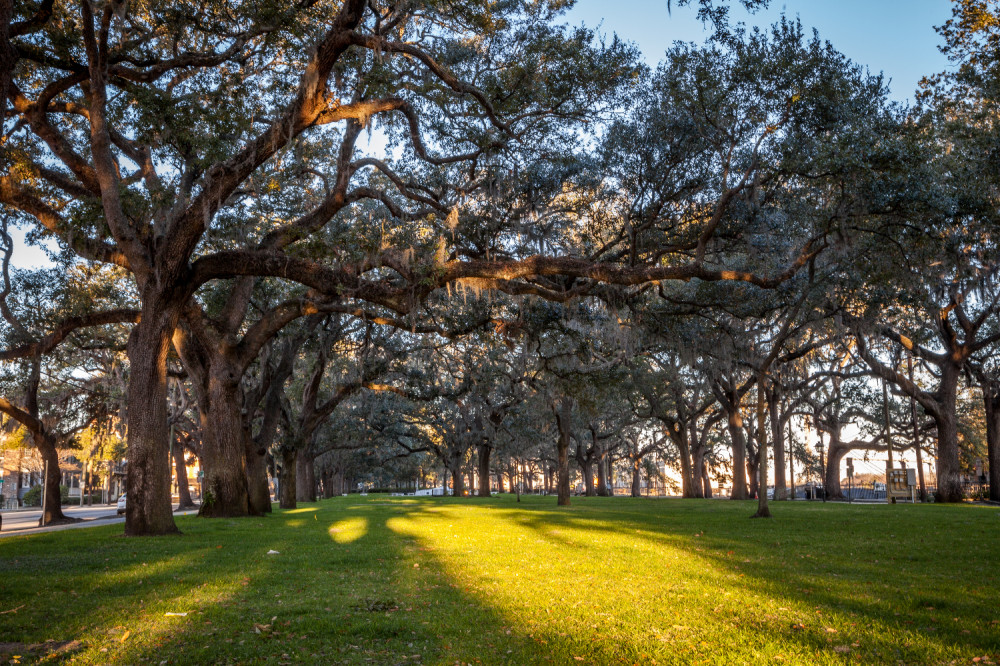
pixel 393 580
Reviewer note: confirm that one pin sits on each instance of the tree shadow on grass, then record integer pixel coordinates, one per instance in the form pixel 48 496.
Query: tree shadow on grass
pixel 826 584
pixel 442 580
pixel 343 588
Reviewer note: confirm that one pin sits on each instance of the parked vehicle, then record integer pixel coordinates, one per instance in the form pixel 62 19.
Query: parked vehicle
pixel 121 505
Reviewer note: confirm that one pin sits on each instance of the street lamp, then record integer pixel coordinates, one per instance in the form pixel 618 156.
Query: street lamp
pixel 822 467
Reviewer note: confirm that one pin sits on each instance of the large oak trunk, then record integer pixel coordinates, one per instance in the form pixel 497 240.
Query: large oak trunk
pixel 305 476
pixel 52 510
pixel 564 414
pixel 949 482
pixel 992 403
pixel 602 475
pixel 484 469
pixel 223 451
pixel 147 485
pixel 831 484
pixel 587 466
pixel 698 467
pixel 258 492
pixel 636 478
pixel 457 482
pixel 687 479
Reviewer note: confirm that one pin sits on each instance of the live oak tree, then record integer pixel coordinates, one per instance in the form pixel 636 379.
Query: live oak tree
pixel 134 142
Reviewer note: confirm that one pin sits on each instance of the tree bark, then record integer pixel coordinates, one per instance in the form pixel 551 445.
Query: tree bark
pixel 484 469
pixel 184 500
pixel 584 458
pixel 778 444
pixel 305 475
pixel 738 439
pixel 602 475
pixel 949 482
pixel 763 511
pixel 687 476
pixel 258 493
pixel 457 482
pixel 147 511
pixel 564 414
pixel 52 510
pixel 706 481
pixel 991 399
pixel 287 480
pixel 835 455
pixel 636 478
pixel 698 472
pixel 224 450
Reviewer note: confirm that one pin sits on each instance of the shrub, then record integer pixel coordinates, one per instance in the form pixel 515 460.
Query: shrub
pixel 34 496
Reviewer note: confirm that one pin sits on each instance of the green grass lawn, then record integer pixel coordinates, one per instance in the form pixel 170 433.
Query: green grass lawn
pixel 382 580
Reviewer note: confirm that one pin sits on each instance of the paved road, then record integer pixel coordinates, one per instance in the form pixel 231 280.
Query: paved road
pixel 26 522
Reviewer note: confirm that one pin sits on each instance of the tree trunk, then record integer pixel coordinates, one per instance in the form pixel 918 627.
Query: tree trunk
pixel 602 475
pixel 753 460
pixel 706 481
pixel 831 484
pixel 305 475
pixel 52 510
pixel 778 443
pixel 287 480
pixel 763 511
pixel 991 399
pixel 224 449
pixel 698 472
pixel 564 415
pixel 457 482
pixel 147 511
pixel 484 469
pixel 587 469
pixel 184 500
pixel 949 482
pixel 636 478
pixel 687 476
pixel 258 493
pixel 735 425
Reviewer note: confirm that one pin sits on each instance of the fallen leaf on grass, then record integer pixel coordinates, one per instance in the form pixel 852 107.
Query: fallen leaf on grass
pixel 843 649
pixel 125 636
pixel 831 630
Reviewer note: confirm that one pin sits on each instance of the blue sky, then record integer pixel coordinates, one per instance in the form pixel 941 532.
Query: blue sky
pixel 895 37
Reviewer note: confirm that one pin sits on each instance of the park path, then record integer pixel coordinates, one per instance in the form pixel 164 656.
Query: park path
pixel 26 522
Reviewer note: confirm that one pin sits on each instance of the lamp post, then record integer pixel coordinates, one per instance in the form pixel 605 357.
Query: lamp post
pixel 822 467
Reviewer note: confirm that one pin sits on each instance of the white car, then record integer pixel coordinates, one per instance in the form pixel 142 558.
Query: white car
pixel 121 505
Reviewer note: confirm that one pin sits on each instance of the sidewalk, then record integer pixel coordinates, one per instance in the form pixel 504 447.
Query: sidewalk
pixel 25 521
